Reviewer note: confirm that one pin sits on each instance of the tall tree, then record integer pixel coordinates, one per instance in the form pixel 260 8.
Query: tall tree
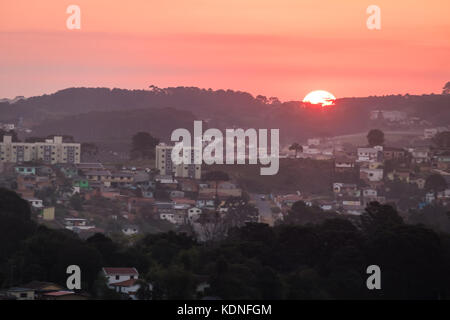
pixel 379 217
pixel 375 137
pixel 15 222
pixel 143 145
pixel 296 147
pixel 446 88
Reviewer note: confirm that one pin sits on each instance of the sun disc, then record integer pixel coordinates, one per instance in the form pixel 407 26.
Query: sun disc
pixel 320 97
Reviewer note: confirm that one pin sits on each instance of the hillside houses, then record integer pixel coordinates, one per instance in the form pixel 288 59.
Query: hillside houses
pixel 113 197
pixel 374 154
pixel 123 281
pixel 40 290
pixel 91 197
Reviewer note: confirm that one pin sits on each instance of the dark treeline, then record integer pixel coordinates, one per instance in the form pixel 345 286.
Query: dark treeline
pixel 97 114
pixel 325 260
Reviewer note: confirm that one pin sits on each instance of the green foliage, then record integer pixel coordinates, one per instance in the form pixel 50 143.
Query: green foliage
pixel 143 146
pixel 412 261
pixel 301 214
pixel 326 259
pixel 173 283
pixel 101 291
pixel 15 223
pixel 296 147
pixel 379 217
pixel 409 194
pixel 76 201
pixel 446 88
pixel 434 216
pixel 144 292
pixel 47 194
pixel 375 137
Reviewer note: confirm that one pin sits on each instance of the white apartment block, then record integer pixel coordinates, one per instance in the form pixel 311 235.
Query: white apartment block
pixel 369 154
pixel 166 167
pixel 51 151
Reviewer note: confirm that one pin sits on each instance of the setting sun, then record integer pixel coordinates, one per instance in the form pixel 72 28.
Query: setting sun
pixel 320 97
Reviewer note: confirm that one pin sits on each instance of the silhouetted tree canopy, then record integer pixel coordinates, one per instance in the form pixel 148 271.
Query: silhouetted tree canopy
pixel 143 145
pixel 375 137
pixel 311 258
pixel 296 147
pixel 446 88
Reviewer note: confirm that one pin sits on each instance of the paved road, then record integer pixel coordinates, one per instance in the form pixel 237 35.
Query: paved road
pixel 265 213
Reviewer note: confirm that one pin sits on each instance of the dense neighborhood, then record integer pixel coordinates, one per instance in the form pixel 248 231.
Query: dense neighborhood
pixel 127 202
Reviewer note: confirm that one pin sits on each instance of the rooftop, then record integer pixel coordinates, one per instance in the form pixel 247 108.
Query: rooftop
pixel 123 271
pixel 59 293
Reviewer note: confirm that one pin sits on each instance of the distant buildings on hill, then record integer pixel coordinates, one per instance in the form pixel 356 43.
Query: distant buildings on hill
pixel 51 151
pixel 167 168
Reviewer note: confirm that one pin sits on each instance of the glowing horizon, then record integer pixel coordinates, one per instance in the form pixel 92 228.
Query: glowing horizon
pixel 273 48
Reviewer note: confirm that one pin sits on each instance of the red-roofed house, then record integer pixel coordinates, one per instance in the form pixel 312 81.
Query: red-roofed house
pixel 63 295
pixel 122 280
pixel 115 275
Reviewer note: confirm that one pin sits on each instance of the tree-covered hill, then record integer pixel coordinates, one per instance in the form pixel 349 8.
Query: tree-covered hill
pixel 221 108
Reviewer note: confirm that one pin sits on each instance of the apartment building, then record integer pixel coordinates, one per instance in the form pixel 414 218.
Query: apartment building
pixel 166 167
pixel 51 151
pixel 370 154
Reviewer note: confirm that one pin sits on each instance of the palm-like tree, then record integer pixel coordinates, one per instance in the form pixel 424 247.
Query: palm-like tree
pixel 296 147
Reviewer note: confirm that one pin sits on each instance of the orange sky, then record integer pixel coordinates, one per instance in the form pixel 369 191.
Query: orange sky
pixel 283 48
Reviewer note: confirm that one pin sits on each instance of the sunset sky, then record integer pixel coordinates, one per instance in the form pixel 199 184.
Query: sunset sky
pixel 283 48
